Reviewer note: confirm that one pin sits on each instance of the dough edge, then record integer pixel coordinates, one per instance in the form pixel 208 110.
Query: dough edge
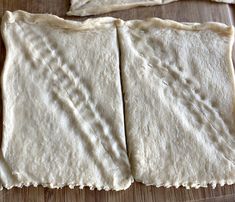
pixel 114 7
pixel 125 6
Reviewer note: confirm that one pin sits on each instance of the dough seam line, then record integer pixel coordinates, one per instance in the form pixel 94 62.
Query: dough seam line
pixel 122 90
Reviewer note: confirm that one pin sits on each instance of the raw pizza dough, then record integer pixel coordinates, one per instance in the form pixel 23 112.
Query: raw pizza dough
pixel 63 112
pixel 95 7
pixel 63 109
pixel 178 85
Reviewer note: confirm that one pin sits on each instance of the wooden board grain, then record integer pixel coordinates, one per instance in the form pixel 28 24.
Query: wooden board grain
pixel 184 11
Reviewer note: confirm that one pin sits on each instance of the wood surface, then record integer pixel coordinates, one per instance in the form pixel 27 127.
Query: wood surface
pixel 184 11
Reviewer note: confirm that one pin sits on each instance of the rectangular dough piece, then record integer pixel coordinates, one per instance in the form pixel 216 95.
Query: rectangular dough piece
pixel 63 112
pixel 178 84
pixel 95 7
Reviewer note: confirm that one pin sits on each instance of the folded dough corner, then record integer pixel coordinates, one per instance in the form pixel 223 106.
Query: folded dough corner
pixel 95 7
pixel 102 102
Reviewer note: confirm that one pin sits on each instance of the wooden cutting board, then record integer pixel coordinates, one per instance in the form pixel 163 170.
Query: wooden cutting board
pixel 184 11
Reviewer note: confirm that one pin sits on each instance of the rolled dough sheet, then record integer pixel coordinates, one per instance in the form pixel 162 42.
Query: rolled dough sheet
pixel 95 7
pixel 178 85
pixel 63 114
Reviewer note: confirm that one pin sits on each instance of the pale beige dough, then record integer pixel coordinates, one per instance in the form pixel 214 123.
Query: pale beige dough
pixel 178 85
pixel 63 109
pixel 95 7
pixel 63 112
